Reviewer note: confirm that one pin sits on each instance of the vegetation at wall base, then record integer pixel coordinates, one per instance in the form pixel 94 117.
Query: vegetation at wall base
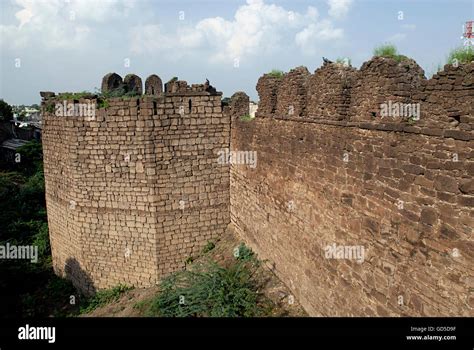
pixel 29 289
pixel 243 253
pixel 208 289
pixel 211 290
pixel 208 247
pixel 103 297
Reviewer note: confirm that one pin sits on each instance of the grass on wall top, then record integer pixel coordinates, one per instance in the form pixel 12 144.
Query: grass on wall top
pixel 276 73
pixel 389 51
pixel 464 54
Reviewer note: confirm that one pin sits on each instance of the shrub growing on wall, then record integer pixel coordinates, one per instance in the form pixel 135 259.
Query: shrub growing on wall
pixel 389 51
pixel 461 55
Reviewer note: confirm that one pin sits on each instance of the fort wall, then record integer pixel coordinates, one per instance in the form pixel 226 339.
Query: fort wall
pixel 340 175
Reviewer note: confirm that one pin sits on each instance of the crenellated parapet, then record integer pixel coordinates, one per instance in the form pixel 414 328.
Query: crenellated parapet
pixel 383 91
pixel 133 182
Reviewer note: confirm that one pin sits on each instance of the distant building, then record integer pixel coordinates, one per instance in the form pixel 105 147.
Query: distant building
pixel 29 111
pixel 8 149
pixel 26 123
pixel 253 109
pixel 26 113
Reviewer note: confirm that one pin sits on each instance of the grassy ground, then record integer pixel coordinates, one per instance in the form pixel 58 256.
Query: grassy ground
pixel 273 297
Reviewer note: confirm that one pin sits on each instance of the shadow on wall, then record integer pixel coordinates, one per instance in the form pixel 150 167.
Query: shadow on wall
pixel 79 277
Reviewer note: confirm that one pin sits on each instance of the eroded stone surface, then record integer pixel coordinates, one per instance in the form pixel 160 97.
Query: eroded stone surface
pixel 134 192
pixel 153 85
pixel 133 84
pixel 111 82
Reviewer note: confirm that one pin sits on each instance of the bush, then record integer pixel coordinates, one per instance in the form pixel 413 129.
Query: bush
pixel 390 51
pixel 119 92
pixel 76 95
pixel 225 101
pixel 275 73
pixel 210 290
pixel 49 107
pixel 6 111
pixel 102 98
pixel 31 157
pixel 23 218
pixel 102 103
pixel 58 288
pixel 141 305
pixel 41 240
pixel 10 183
pixel 22 232
pixel 104 297
pixel 48 300
pixel 31 197
pixel 131 94
pixel 461 55
pixel 242 252
pixel 208 247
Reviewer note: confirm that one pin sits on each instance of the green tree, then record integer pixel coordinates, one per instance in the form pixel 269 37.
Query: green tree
pixel 6 111
pixel 31 157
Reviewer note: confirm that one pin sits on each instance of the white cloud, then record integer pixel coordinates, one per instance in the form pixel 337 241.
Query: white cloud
pixel 312 13
pixel 150 38
pixel 102 10
pixel 309 38
pixel 24 16
pixel 256 28
pixel 57 23
pixel 339 8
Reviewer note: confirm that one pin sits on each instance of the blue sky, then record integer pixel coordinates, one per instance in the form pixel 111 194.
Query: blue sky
pixel 68 45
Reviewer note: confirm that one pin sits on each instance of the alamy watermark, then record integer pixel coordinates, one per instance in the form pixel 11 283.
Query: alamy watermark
pixel 37 333
pixel 227 156
pixel 350 252
pixel 69 109
pixel 28 252
pixel 400 110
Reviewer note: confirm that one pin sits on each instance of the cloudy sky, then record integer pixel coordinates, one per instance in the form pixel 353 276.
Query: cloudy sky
pixel 68 45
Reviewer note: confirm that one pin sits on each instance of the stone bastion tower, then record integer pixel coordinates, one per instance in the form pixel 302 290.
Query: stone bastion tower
pixel 135 187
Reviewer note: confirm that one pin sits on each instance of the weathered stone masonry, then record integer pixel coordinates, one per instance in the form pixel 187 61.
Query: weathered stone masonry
pixel 338 173
pixel 136 190
pixel 133 193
